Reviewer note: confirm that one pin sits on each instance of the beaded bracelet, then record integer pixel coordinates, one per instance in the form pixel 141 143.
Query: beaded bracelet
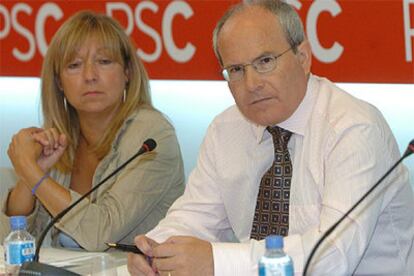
pixel 38 183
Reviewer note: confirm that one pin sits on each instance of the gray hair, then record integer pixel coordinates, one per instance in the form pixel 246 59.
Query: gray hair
pixel 289 20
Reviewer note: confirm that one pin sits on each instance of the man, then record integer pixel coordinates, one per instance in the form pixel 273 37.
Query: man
pixel 337 148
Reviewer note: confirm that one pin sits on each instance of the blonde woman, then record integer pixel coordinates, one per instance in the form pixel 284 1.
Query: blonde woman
pixel 97 113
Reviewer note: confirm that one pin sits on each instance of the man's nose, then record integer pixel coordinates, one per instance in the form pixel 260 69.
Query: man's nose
pixel 252 79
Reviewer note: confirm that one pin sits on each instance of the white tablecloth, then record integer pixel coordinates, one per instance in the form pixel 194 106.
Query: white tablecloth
pixel 76 261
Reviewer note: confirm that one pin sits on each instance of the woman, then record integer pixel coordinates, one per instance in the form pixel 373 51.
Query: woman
pixel 97 113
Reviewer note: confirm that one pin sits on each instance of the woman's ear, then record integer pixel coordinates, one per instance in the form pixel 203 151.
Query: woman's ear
pixel 126 73
pixel 59 83
pixel 304 54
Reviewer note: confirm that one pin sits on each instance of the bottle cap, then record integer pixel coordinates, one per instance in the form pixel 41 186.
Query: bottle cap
pixel 17 222
pixel 274 242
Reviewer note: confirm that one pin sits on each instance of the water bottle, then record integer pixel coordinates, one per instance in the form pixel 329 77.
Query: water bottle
pixel 275 261
pixel 19 245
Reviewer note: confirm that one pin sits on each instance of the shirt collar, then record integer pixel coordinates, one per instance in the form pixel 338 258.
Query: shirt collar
pixel 297 122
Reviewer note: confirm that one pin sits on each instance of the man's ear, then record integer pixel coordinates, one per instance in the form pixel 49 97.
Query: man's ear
pixel 304 54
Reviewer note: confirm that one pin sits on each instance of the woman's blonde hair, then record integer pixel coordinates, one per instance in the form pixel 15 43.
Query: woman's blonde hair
pixel 63 48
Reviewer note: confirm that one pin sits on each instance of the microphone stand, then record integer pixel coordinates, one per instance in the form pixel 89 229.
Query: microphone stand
pixel 408 151
pixel 35 267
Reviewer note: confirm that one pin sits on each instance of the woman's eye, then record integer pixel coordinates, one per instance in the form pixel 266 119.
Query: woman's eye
pixel 74 65
pixel 104 61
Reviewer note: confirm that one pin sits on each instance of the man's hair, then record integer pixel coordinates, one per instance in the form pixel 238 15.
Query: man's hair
pixel 289 20
pixel 63 48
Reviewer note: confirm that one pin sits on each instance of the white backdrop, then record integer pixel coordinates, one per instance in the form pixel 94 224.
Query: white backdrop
pixel 191 106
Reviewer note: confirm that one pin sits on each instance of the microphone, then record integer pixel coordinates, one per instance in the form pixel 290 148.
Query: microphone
pixel 36 268
pixel 408 151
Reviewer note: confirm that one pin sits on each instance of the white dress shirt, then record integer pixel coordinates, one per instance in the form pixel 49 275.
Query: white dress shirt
pixel 339 148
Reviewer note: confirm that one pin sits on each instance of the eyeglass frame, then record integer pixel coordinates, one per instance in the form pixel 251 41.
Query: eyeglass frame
pixel 226 75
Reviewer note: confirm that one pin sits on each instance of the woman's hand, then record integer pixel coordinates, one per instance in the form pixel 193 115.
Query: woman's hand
pixel 24 150
pixel 33 151
pixel 53 146
pixel 35 146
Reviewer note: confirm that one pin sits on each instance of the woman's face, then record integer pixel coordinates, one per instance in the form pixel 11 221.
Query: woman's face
pixel 93 82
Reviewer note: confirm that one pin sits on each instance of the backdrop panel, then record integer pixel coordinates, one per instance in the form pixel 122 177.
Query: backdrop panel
pixel 352 40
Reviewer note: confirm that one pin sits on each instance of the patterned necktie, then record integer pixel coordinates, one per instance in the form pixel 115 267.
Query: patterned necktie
pixel 272 207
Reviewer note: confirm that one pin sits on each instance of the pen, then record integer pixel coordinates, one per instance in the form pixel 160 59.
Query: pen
pixel 125 247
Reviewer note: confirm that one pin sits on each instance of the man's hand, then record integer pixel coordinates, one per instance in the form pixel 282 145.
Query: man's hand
pixel 183 255
pixel 139 264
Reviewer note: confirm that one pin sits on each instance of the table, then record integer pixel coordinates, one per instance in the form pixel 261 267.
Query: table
pixel 77 261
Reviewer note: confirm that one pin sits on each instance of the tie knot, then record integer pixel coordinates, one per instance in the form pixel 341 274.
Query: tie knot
pixel 280 135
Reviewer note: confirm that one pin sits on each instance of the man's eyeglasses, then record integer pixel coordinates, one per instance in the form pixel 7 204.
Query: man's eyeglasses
pixel 262 64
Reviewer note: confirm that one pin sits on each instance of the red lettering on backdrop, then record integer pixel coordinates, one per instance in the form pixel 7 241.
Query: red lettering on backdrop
pixel 352 41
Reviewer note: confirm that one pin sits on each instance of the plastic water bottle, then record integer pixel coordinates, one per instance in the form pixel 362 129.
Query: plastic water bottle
pixel 19 245
pixel 275 261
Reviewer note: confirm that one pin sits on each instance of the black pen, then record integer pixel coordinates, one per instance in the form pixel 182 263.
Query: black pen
pixel 125 247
